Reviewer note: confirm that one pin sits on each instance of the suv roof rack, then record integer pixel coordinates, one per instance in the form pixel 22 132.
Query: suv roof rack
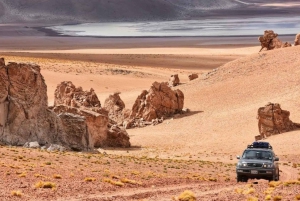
pixel 261 145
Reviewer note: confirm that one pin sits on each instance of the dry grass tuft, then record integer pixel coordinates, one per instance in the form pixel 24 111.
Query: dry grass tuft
pixel 268 197
pixel 89 179
pixel 297 197
pixel 42 184
pixel 116 183
pixel 16 193
pixel 57 176
pixel 125 180
pixel 274 183
pixel 277 198
pixel 252 199
pixel 187 196
pixel 249 191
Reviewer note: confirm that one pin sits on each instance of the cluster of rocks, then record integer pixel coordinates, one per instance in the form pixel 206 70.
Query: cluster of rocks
pixel 76 121
pixel 270 41
pixel 174 79
pixel 273 120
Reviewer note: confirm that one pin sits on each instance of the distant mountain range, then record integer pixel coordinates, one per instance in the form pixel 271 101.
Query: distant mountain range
pixel 77 11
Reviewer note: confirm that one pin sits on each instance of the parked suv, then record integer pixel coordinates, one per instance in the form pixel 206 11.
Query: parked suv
pixel 258 161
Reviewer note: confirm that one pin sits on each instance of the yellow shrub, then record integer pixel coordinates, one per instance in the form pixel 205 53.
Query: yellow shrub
pixel 187 196
pixel 42 184
pixel 16 193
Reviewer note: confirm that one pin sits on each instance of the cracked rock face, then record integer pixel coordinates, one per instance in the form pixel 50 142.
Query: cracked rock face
pixel 116 108
pixel 273 120
pixel 159 101
pixel 69 99
pixel 67 94
pixel 23 106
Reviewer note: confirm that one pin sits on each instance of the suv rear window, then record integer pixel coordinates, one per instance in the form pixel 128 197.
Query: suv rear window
pixel 257 154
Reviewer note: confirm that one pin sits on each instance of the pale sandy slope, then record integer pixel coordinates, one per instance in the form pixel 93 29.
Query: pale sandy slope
pixel 225 107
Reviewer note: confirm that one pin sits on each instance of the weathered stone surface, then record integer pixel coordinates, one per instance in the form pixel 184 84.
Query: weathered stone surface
pixel 23 106
pixel 96 124
pixel 33 145
pixel 193 76
pixel 77 135
pixel 273 120
pixel 297 39
pixel 174 80
pixel 159 101
pixel 116 108
pixel 117 137
pixel 99 124
pixel 56 147
pixel 67 94
pixel 269 41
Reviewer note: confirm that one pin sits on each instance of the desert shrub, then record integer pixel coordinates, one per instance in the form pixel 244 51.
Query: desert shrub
pixel 277 198
pixel 187 196
pixel 116 183
pixel 57 176
pixel 297 197
pixel 16 193
pixel 42 184
pixel 89 179
pixel 274 183
pixel 252 199
pixel 249 191
pixel 268 197
pixel 125 180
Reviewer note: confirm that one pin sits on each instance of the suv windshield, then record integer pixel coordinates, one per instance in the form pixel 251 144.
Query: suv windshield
pixel 257 154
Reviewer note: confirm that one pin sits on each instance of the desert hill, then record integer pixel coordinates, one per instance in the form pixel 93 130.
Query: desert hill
pixel 224 106
pixel 76 11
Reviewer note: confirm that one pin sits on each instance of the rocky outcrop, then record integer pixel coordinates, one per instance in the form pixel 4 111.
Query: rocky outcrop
pixel 159 101
pixel 67 94
pixel 99 121
pixel 174 80
pixel 273 120
pixel 24 108
pixel 25 116
pixel 193 76
pixel 270 41
pixel 297 39
pixel 116 108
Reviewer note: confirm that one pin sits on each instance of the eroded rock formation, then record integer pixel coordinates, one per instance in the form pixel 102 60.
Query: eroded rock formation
pixel 116 108
pixel 69 99
pixel 79 124
pixel 297 39
pixel 174 80
pixel 159 101
pixel 67 94
pixel 270 41
pixel 24 108
pixel 273 120
pixel 193 76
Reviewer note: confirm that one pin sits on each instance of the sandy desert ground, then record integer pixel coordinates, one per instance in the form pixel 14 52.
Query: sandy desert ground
pixel 194 151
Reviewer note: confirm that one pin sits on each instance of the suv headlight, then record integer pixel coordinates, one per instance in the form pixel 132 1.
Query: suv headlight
pixel 268 165
pixel 242 164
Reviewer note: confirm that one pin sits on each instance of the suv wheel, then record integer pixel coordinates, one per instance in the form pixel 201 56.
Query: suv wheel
pixel 241 178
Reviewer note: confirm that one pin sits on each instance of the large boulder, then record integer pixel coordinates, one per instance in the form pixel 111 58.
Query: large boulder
pixel 24 107
pixel 270 41
pixel 297 39
pixel 273 120
pixel 96 123
pixel 159 101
